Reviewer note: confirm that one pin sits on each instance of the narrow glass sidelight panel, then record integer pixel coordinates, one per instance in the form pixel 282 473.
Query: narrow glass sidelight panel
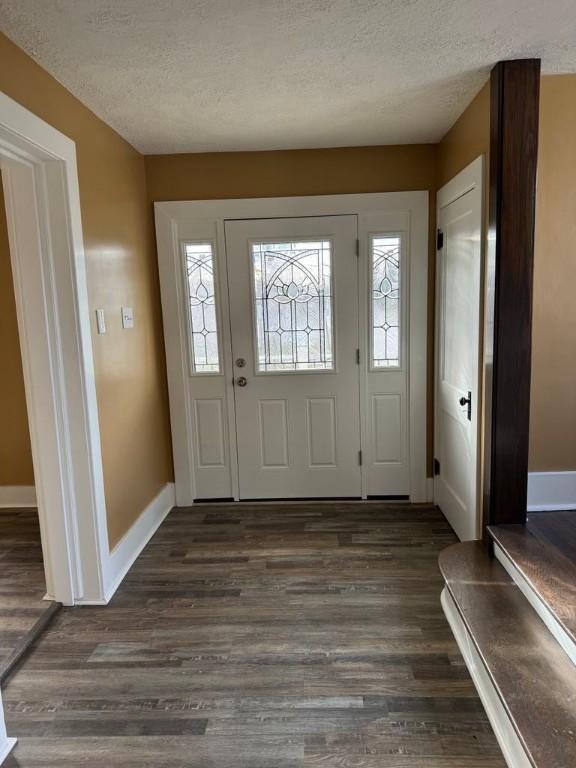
pixel 204 352
pixel 386 309
pixel 293 305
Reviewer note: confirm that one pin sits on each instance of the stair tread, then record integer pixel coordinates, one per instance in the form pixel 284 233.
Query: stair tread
pixel 541 552
pixel 532 675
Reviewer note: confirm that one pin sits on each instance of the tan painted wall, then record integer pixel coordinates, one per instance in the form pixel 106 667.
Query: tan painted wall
pixel 553 412
pixel 553 400
pixel 468 138
pixel 346 170
pixel 15 453
pixel 121 268
pixel 290 173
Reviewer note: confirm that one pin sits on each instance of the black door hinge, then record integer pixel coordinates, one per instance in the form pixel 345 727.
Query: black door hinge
pixel 439 240
pixel 436 467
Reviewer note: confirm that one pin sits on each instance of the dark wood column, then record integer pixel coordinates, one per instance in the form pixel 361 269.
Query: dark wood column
pixel 515 96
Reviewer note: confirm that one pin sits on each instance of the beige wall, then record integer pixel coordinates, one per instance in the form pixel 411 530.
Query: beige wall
pixel 15 453
pixel 553 401
pixel 290 173
pixel 468 138
pixel 346 170
pixel 553 412
pixel 121 268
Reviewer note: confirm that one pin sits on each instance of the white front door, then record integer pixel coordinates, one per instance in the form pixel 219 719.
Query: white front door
pixel 295 333
pixel 458 351
pixel 293 291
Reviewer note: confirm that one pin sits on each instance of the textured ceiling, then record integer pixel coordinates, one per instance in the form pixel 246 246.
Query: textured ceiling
pixel 210 75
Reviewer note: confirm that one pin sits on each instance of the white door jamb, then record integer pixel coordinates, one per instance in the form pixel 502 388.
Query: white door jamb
pixel 40 182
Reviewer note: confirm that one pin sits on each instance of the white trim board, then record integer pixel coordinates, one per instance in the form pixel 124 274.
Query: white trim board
pixel 40 181
pixel 550 491
pixel 6 744
pixel 130 546
pixel 14 496
pixel 506 735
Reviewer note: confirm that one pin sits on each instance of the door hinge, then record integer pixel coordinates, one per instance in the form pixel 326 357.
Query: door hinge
pixel 436 467
pixel 357 357
pixel 360 458
pixel 357 246
pixel 439 239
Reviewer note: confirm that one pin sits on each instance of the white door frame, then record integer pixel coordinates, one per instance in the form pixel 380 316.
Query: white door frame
pixel 41 190
pixel 468 179
pixel 209 217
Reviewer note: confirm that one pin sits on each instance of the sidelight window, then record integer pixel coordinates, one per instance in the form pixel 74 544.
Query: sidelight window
pixel 201 284
pixel 386 309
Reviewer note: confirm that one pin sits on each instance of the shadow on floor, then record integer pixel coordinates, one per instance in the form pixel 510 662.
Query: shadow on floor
pixel 24 614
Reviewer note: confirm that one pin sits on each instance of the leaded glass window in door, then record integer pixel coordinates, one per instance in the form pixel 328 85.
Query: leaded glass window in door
pixel 199 265
pixel 293 305
pixel 386 309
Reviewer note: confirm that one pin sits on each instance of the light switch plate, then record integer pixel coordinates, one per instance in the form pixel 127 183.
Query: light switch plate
pixel 127 317
pixel 100 321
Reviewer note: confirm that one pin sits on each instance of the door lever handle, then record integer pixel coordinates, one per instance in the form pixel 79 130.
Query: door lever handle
pixel 467 401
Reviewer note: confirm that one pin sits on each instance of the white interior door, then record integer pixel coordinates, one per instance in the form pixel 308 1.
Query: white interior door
pixel 458 351
pixel 293 288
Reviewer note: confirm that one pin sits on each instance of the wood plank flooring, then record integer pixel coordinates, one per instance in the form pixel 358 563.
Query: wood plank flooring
pixel 261 636
pixel 23 611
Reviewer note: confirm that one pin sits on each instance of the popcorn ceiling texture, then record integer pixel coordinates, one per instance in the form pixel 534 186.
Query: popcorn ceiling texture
pixel 213 75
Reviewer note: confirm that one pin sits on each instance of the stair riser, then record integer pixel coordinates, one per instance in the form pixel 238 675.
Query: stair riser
pixel 510 744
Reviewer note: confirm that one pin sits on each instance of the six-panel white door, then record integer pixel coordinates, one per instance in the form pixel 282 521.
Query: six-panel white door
pixel 293 293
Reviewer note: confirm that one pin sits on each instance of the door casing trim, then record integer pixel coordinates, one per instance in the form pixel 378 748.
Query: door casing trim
pixel 40 181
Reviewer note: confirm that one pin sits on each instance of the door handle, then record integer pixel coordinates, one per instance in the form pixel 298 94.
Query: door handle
pixel 467 401
pixel 241 381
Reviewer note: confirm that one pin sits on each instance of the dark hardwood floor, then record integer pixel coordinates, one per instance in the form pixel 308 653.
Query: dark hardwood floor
pixel 23 611
pixel 261 636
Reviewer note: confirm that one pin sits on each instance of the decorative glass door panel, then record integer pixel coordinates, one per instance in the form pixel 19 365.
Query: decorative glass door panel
pixel 293 287
pixel 293 305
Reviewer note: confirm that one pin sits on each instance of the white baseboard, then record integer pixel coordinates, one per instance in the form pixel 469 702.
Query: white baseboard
pixel 17 496
pixel 510 744
pixel 550 491
pixel 124 554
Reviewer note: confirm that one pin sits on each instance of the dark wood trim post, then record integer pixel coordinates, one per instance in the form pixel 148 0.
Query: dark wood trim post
pixel 515 97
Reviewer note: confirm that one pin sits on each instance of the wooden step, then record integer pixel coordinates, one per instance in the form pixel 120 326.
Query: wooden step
pixel 540 557
pixel 526 681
